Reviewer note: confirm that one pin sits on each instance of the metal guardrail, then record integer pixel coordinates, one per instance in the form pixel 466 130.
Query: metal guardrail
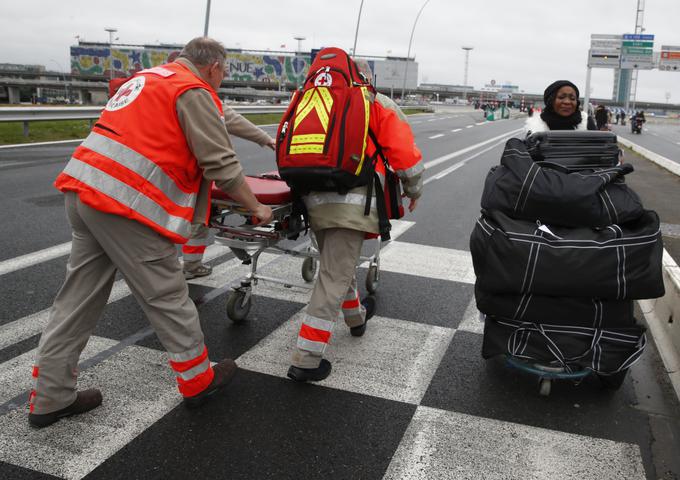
pixel 34 114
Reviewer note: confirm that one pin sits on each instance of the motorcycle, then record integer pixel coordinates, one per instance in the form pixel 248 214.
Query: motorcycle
pixel 636 125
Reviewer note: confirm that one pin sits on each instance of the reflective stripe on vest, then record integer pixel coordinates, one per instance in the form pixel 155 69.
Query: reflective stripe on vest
pixel 315 334
pixel 127 195
pixel 315 199
pixel 141 165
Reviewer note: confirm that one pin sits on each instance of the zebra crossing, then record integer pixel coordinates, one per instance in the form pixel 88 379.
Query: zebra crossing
pixel 380 414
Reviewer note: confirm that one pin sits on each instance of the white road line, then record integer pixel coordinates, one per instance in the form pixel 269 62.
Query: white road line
pixel 469 126
pixel 432 119
pixel 30 259
pixel 444 158
pixel 456 130
pixel 369 367
pixel 505 450
pixel 41 144
pixel 25 327
pixel 436 136
pixel 138 389
pixel 481 123
pixel 456 166
pixel 427 261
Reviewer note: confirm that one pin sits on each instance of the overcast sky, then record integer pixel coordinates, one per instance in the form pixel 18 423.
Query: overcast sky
pixel 529 43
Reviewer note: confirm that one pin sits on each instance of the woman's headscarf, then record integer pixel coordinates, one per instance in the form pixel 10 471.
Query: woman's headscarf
pixel 554 120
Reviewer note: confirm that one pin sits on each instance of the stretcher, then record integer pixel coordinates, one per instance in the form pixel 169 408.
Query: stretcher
pixel 238 229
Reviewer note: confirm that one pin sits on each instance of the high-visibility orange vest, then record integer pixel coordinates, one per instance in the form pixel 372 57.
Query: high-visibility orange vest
pixel 136 162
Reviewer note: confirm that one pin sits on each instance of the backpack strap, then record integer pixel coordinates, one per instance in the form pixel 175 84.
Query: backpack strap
pixel 384 225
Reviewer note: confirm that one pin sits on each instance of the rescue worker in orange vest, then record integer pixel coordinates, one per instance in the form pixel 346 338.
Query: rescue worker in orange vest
pixel 339 224
pixel 193 250
pixel 132 190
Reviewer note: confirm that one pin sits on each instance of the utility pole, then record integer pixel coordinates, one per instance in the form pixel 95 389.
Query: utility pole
pixel 639 16
pixel 467 63
pixel 111 32
pixel 356 32
pixel 207 19
pixel 299 39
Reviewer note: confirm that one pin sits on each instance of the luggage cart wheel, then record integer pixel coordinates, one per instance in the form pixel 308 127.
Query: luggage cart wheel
pixel 238 305
pixel 372 278
pixel 544 387
pixel 308 269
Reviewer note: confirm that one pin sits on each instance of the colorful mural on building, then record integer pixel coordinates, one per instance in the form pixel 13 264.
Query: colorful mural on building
pixel 94 60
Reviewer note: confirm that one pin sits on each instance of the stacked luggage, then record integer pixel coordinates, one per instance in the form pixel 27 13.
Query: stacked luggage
pixel 560 252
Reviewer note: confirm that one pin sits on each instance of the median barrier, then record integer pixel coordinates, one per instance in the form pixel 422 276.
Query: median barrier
pixel 663 314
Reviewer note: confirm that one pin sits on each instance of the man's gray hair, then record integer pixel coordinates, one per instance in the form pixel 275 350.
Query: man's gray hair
pixel 203 51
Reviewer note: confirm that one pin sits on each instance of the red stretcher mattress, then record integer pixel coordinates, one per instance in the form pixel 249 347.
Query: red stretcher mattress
pixel 268 188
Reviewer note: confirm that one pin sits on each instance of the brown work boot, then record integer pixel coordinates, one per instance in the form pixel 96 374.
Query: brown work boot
pixel 195 271
pixel 224 372
pixel 85 401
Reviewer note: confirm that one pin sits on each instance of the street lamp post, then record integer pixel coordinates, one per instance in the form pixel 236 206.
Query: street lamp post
pixel 111 32
pixel 207 19
pixel 299 39
pixel 467 63
pixel 356 32
pixel 408 54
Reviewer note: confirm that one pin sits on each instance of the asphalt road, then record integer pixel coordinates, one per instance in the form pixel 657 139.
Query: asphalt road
pixel 412 399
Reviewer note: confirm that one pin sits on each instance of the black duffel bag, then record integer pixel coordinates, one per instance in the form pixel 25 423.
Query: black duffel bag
pixel 555 195
pixel 618 262
pixel 602 350
pixel 575 149
pixel 581 311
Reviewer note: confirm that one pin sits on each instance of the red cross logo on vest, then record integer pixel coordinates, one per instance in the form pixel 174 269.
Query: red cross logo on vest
pixel 126 94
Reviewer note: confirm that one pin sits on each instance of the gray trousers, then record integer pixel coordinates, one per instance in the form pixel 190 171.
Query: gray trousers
pixel 102 244
pixel 335 293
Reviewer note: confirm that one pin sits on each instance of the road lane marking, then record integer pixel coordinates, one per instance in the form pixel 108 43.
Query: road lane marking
pixel 444 158
pixel 436 136
pixel 33 258
pixel 456 166
pixel 469 126
pixel 432 119
pixel 502 449
pixel 481 123
pixel 456 130
pixel 25 327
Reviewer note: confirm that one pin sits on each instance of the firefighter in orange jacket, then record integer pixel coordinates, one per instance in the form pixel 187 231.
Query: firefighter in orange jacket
pixel 339 224
pixel 132 190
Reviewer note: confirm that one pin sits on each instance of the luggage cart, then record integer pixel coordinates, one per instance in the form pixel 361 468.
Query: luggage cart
pixel 248 240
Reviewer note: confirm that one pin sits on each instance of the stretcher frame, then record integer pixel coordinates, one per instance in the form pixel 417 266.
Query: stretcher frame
pixel 248 241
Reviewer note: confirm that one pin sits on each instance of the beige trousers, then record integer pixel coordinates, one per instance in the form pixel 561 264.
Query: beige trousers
pixel 103 244
pixel 335 293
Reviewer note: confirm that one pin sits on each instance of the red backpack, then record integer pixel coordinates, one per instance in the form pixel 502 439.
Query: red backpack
pixel 322 138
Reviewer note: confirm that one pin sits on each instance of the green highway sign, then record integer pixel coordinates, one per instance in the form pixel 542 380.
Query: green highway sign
pixel 632 43
pixel 637 51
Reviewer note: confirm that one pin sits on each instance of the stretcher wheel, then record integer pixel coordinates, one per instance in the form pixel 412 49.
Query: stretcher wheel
pixel 613 382
pixel 372 279
pixel 238 306
pixel 544 387
pixel 308 269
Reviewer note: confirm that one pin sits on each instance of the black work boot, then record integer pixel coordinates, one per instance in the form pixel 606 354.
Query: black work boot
pixel 224 372
pixel 85 401
pixel 370 305
pixel 310 374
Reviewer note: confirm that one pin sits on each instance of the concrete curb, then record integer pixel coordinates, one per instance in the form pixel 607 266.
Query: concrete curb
pixel 663 314
pixel 661 161
pixel 663 317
